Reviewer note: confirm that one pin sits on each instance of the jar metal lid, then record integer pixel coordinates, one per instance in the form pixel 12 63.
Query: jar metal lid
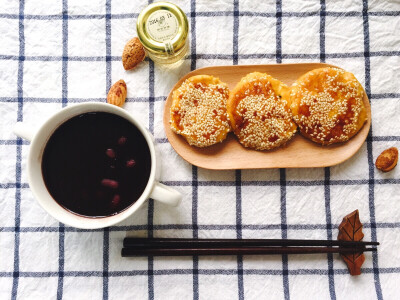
pixel 162 28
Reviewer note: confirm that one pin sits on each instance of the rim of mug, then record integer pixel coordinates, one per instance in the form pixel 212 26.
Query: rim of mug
pixel 36 153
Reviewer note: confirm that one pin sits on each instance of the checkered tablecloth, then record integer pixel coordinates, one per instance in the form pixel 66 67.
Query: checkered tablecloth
pixel 57 52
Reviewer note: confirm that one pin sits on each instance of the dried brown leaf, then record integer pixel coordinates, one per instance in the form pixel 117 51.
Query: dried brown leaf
pixel 351 230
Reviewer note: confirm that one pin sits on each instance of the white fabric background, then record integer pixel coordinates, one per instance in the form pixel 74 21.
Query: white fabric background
pixel 41 258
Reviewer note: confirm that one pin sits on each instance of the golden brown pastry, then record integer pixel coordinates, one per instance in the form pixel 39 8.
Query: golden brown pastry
pixel 259 112
pixel 198 110
pixel 327 105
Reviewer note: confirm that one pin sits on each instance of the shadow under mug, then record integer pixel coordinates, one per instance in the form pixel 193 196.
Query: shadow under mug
pixel 154 189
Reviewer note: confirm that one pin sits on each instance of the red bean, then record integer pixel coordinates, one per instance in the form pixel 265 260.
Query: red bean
pixel 110 153
pixel 122 140
pixel 116 199
pixel 130 163
pixel 109 183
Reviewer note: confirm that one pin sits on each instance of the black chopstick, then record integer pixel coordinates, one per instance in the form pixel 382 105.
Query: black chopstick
pixel 181 243
pixel 131 251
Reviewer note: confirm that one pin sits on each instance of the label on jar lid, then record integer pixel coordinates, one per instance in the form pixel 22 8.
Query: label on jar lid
pixel 162 25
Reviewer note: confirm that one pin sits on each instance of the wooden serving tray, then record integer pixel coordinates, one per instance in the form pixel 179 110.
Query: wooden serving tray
pixel 230 154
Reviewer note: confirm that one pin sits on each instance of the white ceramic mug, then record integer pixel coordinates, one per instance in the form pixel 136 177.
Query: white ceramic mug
pixel 154 189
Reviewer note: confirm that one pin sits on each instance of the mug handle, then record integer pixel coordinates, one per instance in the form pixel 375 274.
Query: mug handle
pixel 24 131
pixel 165 194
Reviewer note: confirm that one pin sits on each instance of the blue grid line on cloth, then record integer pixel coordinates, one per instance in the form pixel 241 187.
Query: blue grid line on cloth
pixel 106 258
pixel 151 201
pixel 195 56
pixel 150 264
pixel 253 183
pixel 13 185
pixel 141 99
pixel 61 257
pixel 279 31
pixel 327 194
pixel 393 13
pixel 322 15
pixel 282 182
pixel 384 138
pixel 284 232
pixel 64 102
pixel 64 69
pixel 195 229
pixel 69 17
pixel 371 186
pixel 288 183
pixel 235 32
pixel 19 152
pixel 238 173
pixel 238 181
pixel 195 190
pixel 106 234
pixel 122 228
pixel 193 35
pixel 150 213
pixel 150 220
pixel 13 142
pixel 161 272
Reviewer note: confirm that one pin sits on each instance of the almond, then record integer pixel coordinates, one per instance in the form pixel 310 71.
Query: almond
pixel 117 93
pixel 387 160
pixel 133 54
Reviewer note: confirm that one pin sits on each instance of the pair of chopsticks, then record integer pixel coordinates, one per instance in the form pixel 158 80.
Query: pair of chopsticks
pixel 190 247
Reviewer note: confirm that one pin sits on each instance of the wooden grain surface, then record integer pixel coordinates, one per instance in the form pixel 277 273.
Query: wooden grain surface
pixel 230 154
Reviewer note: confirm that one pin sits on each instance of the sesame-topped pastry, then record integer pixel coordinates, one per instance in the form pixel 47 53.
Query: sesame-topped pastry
pixel 327 105
pixel 259 112
pixel 198 110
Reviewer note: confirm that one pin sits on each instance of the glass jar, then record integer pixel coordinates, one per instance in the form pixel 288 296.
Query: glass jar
pixel 162 28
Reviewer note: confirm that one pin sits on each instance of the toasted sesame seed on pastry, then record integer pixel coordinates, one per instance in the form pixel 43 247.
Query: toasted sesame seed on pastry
pixel 327 105
pixel 198 110
pixel 259 112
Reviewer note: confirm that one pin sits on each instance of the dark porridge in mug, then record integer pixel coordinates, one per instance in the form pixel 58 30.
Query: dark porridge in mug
pixel 96 164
